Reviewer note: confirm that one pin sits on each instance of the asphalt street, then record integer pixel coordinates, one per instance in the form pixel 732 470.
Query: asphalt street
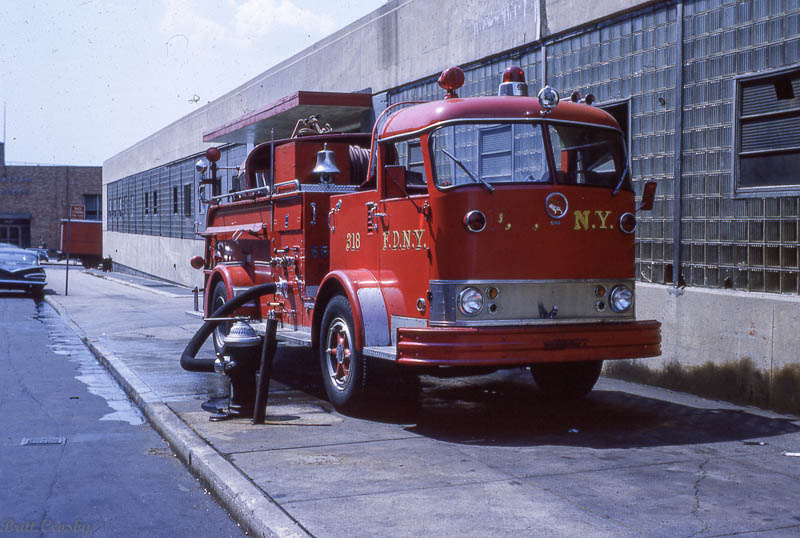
pixel 78 459
pixel 474 456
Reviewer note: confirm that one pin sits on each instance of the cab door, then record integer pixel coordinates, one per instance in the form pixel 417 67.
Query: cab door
pixel 404 232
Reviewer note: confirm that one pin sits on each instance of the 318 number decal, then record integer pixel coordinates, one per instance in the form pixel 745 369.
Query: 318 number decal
pixel 352 242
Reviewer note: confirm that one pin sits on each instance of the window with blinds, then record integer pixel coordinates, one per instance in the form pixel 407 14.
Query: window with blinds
pixel 767 134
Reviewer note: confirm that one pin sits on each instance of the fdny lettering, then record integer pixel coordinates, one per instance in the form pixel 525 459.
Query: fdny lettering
pixel 595 219
pixel 403 240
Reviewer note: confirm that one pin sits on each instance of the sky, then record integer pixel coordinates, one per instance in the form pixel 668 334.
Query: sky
pixel 83 80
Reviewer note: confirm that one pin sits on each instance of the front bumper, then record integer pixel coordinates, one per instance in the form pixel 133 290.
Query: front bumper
pixel 523 345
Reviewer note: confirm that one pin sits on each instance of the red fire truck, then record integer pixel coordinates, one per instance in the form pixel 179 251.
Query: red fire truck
pixel 487 232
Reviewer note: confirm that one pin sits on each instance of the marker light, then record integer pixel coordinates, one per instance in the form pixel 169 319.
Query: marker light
pixel 451 79
pixel 470 301
pixel 548 98
pixel 513 82
pixel 213 155
pixel 197 262
pixel 475 221
pixel 599 291
pixel 620 299
pixel 628 223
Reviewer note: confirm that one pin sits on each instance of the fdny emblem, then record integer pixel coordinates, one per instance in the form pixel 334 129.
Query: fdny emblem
pixel 556 205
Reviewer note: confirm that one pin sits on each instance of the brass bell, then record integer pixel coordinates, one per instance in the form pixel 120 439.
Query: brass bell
pixel 326 165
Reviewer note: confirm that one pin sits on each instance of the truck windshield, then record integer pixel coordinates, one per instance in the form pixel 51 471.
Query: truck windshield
pixel 486 153
pixel 491 153
pixel 589 156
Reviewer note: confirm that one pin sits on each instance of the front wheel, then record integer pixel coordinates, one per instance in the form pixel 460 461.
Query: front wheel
pixel 218 298
pixel 566 380
pixel 344 368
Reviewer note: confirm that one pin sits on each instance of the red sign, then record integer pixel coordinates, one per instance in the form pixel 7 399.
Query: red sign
pixel 77 212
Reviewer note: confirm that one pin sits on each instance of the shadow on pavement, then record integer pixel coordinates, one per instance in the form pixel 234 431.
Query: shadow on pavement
pixel 505 409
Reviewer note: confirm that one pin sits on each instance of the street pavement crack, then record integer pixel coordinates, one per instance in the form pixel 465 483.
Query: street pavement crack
pixel 696 510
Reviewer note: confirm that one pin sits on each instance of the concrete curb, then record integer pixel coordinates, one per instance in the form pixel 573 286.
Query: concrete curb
pixel 250 506
pixel 138 286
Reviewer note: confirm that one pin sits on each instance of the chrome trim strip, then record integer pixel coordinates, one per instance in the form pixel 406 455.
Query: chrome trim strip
pixel 529 322
pixel 25 282
pixel 528 302
pixel 534 281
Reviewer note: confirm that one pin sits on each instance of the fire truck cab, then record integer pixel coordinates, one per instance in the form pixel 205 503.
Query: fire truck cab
pixel 468 232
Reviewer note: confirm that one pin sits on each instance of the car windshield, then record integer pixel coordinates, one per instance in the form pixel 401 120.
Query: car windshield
pixel 488 153
pixel 588 156
pixel 491 153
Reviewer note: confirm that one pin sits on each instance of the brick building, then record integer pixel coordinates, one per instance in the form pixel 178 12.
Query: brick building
pixel 33 200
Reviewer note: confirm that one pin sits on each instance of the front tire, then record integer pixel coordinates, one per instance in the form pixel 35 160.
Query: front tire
pixel 218 298
pixel 566 380
pixel 344 368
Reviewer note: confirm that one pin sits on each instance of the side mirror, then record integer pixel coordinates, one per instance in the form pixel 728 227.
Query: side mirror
pixel 648 196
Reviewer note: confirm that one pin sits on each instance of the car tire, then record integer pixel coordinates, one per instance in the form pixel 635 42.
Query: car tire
pixel 218 298
pixel 566 380
pixel 344 368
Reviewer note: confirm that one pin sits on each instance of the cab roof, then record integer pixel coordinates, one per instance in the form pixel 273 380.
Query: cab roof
pixel 419 117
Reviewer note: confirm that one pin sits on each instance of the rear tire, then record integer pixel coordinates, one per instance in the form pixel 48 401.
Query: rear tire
pixel 344 368
pixel 566 380
pixel 218 298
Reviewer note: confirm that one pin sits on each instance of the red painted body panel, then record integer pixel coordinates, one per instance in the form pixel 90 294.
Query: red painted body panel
pixel 422 116
pixel 519 346
pixel 521 241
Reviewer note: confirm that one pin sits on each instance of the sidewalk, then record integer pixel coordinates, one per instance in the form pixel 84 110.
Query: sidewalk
pixel 486 457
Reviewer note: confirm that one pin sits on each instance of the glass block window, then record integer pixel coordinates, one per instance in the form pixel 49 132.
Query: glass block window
pixel 162 201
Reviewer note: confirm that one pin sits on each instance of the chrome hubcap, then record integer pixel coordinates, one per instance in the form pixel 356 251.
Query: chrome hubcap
pixel 339 353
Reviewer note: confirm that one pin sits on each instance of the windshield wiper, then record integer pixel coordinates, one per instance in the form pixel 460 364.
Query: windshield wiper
pixel 621 179
pixel 466 171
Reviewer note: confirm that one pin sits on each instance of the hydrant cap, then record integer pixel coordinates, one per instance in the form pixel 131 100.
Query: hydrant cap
pixel 242 335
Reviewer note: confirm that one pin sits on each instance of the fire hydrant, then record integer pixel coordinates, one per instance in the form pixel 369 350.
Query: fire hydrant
pixel 239 360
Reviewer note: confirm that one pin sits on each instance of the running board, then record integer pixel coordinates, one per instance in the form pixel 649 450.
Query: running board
pixel 303 337
pixel 388 353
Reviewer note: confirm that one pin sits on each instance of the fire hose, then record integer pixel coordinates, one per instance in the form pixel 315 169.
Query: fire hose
pixel 188 360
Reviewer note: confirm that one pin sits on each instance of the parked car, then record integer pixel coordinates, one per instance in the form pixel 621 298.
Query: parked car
pixel 20 270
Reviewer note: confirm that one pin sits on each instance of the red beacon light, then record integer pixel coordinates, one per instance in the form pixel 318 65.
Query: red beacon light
pixel 451 79
pixel 513 82
pixel 213 155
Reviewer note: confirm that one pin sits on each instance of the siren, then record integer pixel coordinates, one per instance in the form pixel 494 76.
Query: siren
pixel 513 82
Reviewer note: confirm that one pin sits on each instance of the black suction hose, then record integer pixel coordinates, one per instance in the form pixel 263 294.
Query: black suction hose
pixel 188 361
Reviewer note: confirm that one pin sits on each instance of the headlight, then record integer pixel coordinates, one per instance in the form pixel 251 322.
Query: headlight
pixel 621 299
pixel 470 301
